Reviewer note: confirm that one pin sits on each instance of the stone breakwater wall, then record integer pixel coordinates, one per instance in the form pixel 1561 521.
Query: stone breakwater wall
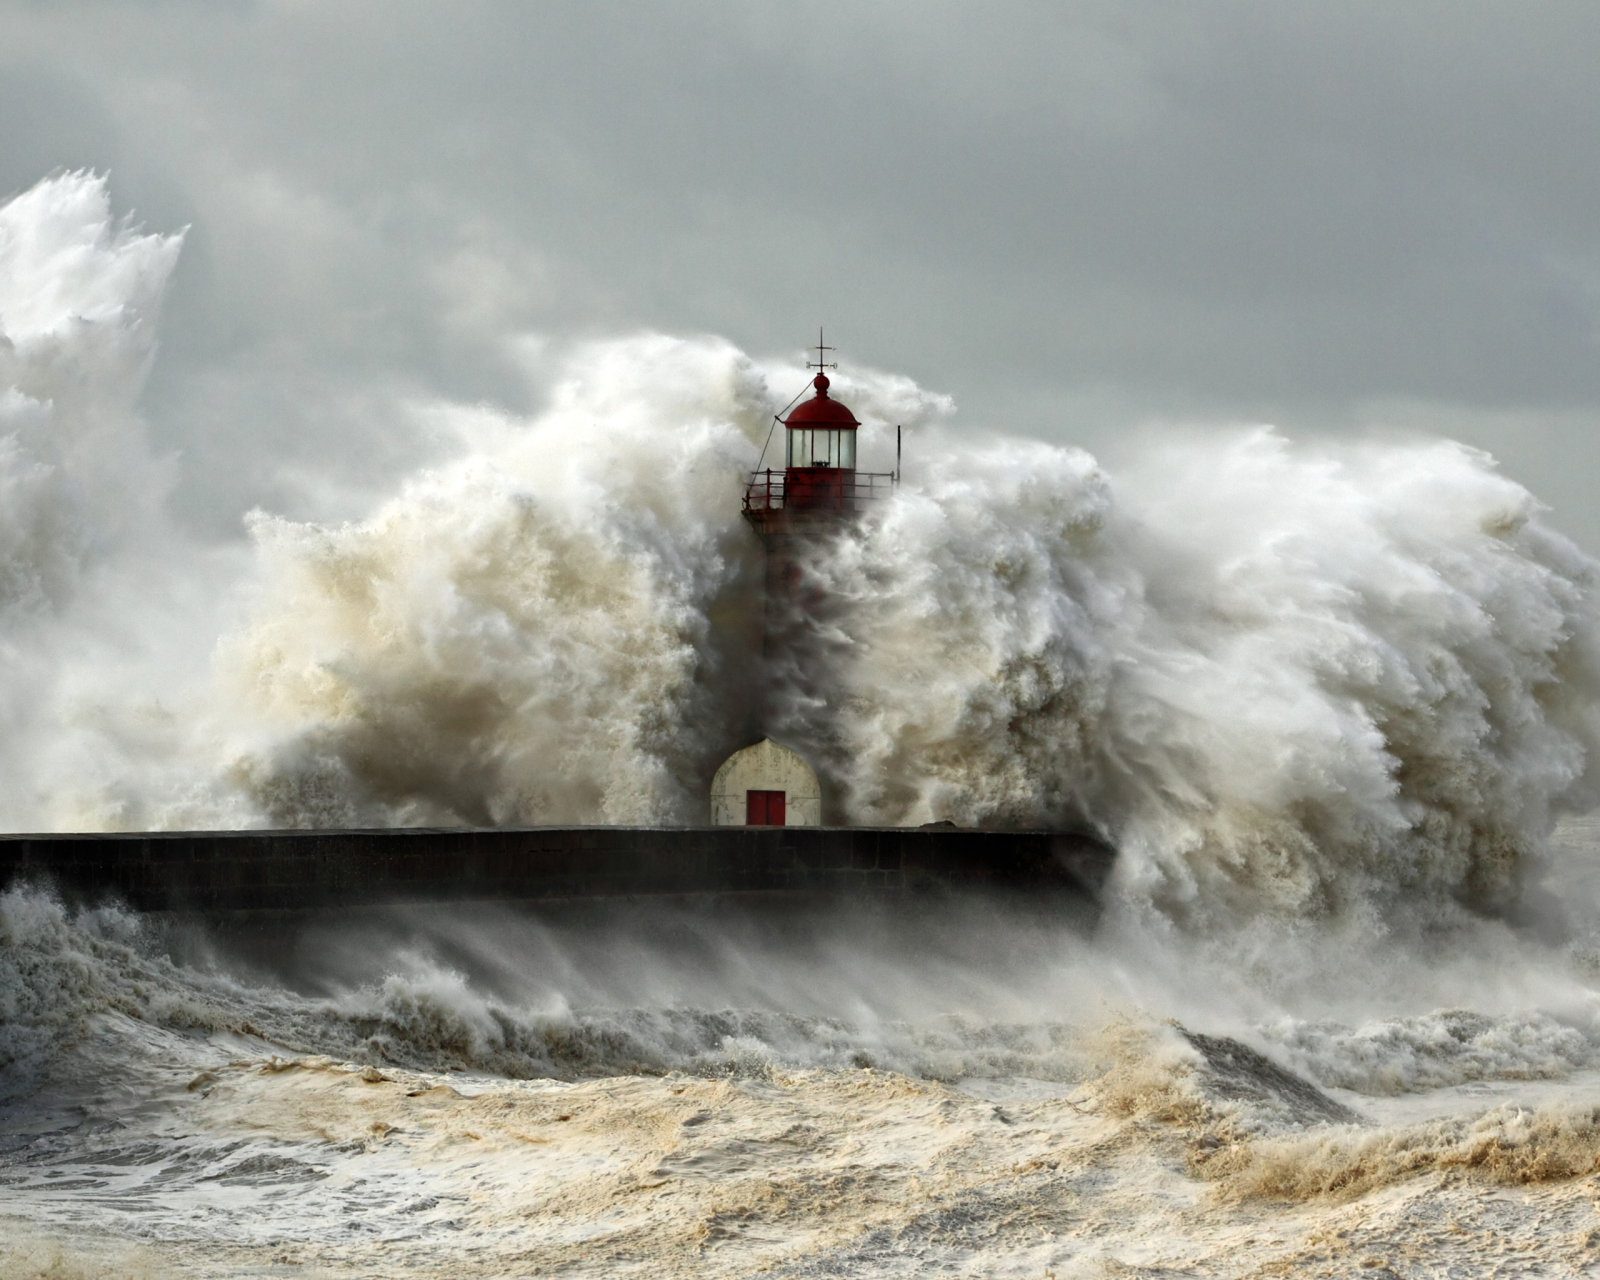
pixel 232 871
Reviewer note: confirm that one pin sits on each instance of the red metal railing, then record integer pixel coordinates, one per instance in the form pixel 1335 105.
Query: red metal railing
pixel 814 489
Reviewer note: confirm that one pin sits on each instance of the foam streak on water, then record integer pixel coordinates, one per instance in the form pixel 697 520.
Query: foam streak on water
pixel 1330 703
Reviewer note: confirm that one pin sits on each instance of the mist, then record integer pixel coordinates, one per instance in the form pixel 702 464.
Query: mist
pixel 377 390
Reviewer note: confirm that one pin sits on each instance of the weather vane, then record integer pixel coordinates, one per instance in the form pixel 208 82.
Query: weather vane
pixel 822 354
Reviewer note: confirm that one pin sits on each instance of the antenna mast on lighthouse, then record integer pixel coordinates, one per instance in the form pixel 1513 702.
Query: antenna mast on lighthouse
pixel 822 348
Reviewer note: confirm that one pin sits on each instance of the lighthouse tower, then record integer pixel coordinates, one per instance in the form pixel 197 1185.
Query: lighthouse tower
pixel 793 510
pixel 818 489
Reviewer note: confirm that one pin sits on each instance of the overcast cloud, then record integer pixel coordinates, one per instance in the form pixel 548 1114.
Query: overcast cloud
pixel 1077 218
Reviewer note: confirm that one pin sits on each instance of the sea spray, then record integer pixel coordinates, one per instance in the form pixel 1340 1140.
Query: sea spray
pixel 1327 700
pixel 64 971
pixel 526 635
pixel 1380 680
pixel 81 492
pixel 1286 680
pixel 1283 679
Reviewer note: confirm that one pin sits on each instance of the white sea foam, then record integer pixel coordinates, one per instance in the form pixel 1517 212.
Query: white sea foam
pixel 1328 701
pixel 1284 679
pixel 1436 1050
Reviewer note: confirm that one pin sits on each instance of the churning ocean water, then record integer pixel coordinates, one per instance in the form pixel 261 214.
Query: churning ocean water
pixel 1338 708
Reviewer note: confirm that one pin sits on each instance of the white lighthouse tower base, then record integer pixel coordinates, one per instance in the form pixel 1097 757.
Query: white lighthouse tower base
pixel 748 787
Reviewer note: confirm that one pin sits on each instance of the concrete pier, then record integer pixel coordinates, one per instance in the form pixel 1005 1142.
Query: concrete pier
pixel 225 872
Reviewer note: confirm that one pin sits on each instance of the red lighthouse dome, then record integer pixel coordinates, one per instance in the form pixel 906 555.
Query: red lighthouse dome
pixel 821 410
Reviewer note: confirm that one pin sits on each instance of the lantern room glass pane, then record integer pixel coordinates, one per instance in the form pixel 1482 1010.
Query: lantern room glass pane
pixel 813 448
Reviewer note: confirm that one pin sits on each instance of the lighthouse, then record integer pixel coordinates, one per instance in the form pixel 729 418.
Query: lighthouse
pixel 818 489
pixel 818 492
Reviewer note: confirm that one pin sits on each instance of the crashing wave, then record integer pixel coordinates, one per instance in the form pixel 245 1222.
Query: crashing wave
pixel 1285 680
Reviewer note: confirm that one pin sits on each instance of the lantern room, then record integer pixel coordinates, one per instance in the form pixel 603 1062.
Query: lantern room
pixel 821 464
pixel 822 432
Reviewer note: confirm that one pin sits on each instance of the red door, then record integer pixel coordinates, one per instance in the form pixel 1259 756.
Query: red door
pixel 764 808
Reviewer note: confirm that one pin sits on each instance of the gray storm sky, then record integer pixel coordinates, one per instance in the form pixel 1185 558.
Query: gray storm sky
pixel 1077 218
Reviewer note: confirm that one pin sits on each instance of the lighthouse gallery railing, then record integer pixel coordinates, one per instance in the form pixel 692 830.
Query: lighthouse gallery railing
pixel 830 491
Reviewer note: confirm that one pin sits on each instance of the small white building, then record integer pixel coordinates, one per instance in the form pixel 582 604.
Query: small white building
pixel 766 785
